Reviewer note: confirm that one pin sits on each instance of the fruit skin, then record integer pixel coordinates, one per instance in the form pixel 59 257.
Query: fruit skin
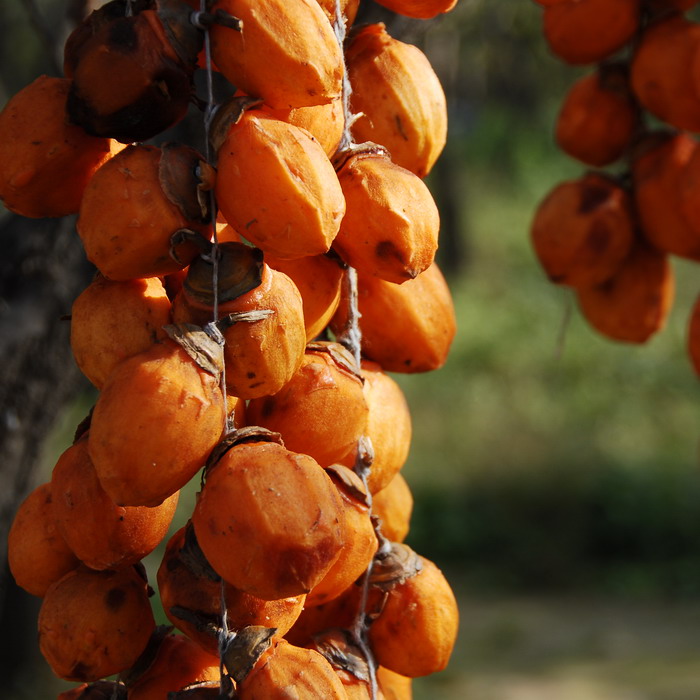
pixel 45 161
pixel 127 218
pixel 95 623
pixel 391 223
pixel 587 31
pixel 393 505
pixel 634 304
pixel 277 188
pixel 179 662
pixel 111 321
pixel 398 99
pixel 269 520
pixel 388 426
pixel 155 422
pixel 37 554
pixel 286 53
pixel 417 628
pixel 180 586
pixel 664 76
pixel 101 534
pixel 662 185
pixel 285 671
pixel 598 117
pixel 423 322
pixel 583 230
pixel 321 411
pixel 420 9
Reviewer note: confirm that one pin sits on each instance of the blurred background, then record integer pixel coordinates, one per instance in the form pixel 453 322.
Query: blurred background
pixel 555 473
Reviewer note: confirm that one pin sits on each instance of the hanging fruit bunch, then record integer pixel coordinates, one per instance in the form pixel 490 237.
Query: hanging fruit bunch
pixel 247 306
pixel 610 234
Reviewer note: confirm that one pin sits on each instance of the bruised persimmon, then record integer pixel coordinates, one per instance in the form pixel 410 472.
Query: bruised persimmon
pixel 662 71
pixel 388 426
pixel 45 161
pixel 36 551
pixel 155 422
pixel 93 624
pixel 634 303
pixel 132 73
pixel 391 223
pixel 661 182
pixel 361 541
pixel 422 324
pixel 192 599
pixel 321 411
pixel 111 321
pixel 583 230
pixel 393 506
pixel 587 31
pixel 261 353
pixel 318 279
pixel 284 669
pixel 277 188
pixel 100 533
pixel 416 628
pixel 285 52
pixel 178 662
pixel 599 117
pixel 398 98
pixel 269 520
pixel 134 204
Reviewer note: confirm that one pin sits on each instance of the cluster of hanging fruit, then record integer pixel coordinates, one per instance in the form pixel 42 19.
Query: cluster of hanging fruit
pixel 230 345
pixel 610 235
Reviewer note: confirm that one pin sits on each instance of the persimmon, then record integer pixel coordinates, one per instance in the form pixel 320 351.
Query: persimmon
pixel 361 541
pixel 693 342
pixel 155 422
pixel 388 426
pixel 321 411
pixel 111 321
pixel 261 354
pixel 588 31
pixel 598 118
pixel 99 690
pixel 398 98
pixel 45 161
pixel 277 188
pixel 661 182
pixel 101 534
pixel 132 75
pixel 423 321
pixel 285 52
pixel 415 631
pixel 420 9
pixel 583 230
pixel 36 551
pixel 662 73
pixel 391 223
pixel 269 520
pixel 348 9
pixel 284 669
pixel 324 122
pixel 319 279
pixel 178 662
pixel 634 303
pixel 393 506
pixel 689 190
pixel 134 204
pixel 394 685
pixel 192 600
pixel 93 624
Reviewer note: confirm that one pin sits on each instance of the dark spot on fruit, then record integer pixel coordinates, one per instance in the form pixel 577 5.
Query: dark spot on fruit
pixel 114 599
pixel 268 407
pixel 80 672
pixel 122 36
pixel 387 249
pixel 592 197
pixel 250 375
pixel 598 239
